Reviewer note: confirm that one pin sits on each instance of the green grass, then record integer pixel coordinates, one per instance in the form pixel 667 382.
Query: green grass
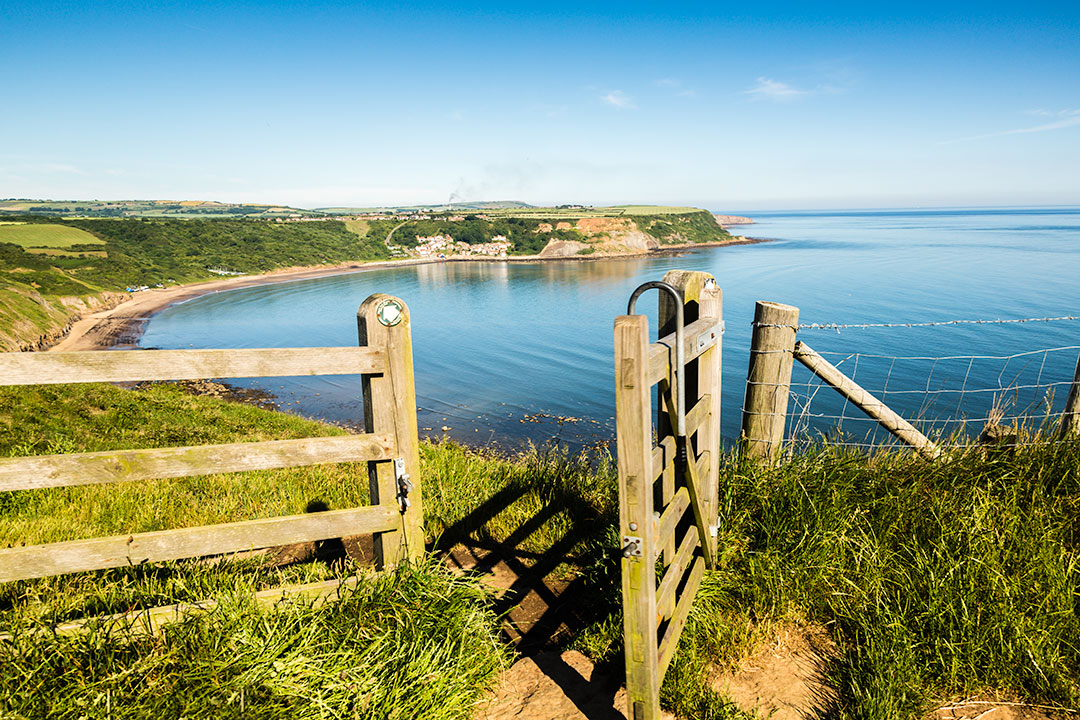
pixel 412 643
pixel 46 235
pixel 416 642
pixel 935 580
pixel 85 418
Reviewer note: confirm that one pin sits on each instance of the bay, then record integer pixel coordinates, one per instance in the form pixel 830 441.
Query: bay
pixel 509 352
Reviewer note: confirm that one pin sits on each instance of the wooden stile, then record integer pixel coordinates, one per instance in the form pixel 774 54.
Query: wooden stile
pixel 654 613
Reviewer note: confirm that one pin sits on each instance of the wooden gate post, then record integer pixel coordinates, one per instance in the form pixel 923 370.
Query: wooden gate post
pixel 768 380
pixel 702 298
pixel 1070 419
pixel 383 323
pixel 634 443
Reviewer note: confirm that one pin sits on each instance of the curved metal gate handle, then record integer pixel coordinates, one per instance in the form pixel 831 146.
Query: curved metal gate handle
pixel 680 363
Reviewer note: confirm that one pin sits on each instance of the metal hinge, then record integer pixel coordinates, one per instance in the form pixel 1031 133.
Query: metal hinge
pixel 404 484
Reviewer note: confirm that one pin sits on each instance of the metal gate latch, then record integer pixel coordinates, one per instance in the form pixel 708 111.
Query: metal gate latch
pixel 404 484
pixel 631 546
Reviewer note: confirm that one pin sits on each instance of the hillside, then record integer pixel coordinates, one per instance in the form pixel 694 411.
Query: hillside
pixel 548 232
pixel 148 208
pixel 53 269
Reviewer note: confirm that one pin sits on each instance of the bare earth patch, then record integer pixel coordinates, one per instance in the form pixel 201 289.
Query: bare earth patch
pixel 785 679
pixel 974 709
pixel 554 686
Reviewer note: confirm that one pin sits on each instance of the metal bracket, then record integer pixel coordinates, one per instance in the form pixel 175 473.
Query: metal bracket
pixel 709 337
pixel 404 484
pixel 632 546
pixel 714 530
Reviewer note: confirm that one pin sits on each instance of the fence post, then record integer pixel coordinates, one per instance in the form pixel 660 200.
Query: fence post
pixel 768 380
pixel 633 427
pixel 1070 419
pixel 383 323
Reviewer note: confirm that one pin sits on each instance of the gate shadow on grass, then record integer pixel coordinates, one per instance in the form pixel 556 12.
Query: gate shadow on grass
pixel 555 574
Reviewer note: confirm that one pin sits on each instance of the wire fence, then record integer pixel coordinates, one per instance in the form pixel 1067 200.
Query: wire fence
pixel 950 397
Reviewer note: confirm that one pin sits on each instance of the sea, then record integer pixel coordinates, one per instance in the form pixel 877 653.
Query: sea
pixel 511 354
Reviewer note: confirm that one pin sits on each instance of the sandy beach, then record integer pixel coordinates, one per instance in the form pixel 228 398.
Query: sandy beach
pixel 123 324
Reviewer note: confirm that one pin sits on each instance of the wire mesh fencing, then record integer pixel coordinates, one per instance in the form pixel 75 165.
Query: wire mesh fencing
pixel 951 398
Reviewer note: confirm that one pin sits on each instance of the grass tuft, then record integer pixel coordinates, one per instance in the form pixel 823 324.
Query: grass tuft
pixel 415 642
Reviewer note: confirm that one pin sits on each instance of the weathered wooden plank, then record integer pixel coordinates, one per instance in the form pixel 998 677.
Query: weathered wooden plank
pixel 866 402
pixel 150 620
pixel 670 641
pixel 698 415
pixel 635 464
pixel 701 515
pixel 664 469
pixel 665 593
pixel 390 406
pixel 669 518
pixel 82 367
pixel 118 551
pixel 703 330
pixel 662 456
pixel 42 471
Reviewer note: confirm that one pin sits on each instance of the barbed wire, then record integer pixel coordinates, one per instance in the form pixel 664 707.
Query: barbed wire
pixel 857 326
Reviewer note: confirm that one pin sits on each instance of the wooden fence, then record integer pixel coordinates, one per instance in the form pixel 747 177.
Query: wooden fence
pixel 390 448
pixel 773 350
pixel 654 493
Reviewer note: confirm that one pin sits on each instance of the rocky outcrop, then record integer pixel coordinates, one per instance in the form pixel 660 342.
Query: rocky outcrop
pixel 562 248
pixel 726 220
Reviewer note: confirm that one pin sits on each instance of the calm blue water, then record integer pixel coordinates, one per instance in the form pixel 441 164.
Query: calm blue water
pixel 504 352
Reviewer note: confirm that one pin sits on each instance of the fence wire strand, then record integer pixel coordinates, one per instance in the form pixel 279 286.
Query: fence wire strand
pixel 1015 392
pixel 1020 396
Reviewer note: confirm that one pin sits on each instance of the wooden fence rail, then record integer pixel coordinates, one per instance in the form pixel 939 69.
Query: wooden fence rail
pixel 866 402
pixel 86 367
pixel 389 447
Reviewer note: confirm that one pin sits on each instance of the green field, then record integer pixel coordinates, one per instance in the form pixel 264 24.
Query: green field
pixel 46 235
pixel 148 208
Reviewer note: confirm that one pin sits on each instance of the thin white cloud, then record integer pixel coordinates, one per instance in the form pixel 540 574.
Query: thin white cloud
pixel 1068 118
pixel 675 85
pixel 769 89
pixel 619 99
pixel 61 168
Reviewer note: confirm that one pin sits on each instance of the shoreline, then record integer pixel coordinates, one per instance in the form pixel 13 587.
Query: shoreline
pixel 123 324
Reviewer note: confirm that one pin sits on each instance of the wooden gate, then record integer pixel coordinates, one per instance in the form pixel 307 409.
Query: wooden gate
pixel 654 495
pixel 390 447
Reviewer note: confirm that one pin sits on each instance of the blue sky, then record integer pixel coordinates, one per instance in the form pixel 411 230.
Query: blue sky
pixel 740 107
